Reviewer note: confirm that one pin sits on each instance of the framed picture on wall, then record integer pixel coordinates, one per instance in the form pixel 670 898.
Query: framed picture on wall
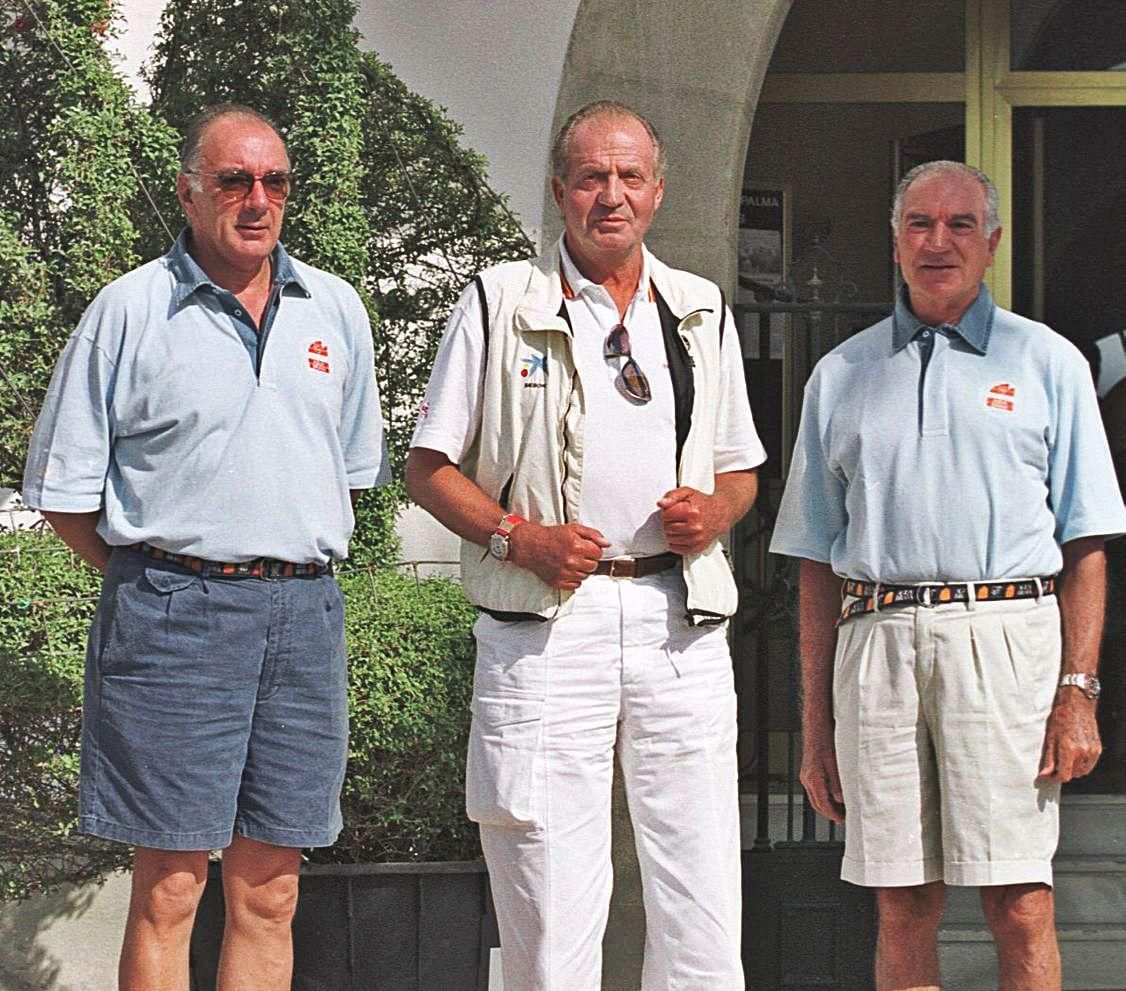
pixel 765 209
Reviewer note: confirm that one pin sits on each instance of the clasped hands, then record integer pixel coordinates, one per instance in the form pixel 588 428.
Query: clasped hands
pixel 563 556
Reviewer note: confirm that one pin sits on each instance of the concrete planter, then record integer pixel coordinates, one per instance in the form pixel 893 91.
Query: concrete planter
pixel 376 927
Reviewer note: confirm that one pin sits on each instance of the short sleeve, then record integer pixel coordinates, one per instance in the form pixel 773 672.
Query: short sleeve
pixel 69 453
pixel 1082 485
pixel 737 443
pixel 450 414
pixel 812 515
pixel 362 439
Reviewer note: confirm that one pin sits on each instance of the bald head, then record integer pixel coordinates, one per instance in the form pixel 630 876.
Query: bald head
pixel 191 152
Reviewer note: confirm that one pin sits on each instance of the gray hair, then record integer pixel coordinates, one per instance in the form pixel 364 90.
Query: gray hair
pixel 944 167
pixel 561 146
pixel 190 150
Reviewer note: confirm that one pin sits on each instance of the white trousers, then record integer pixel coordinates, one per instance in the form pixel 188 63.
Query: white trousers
pixel 550 701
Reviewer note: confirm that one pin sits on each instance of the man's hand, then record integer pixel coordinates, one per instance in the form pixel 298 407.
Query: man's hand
pixel 1071 742
pixel 561 556
pixel 819 774
pixel 691 520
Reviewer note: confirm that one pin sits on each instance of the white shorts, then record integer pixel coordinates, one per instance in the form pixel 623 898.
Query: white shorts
pixel 940 716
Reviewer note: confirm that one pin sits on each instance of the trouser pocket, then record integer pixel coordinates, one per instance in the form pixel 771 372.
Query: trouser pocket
pixel 503 785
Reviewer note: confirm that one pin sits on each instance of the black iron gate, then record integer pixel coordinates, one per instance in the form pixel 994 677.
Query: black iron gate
pixel 804 928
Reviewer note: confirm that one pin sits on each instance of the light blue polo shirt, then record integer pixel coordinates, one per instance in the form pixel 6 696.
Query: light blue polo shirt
pixel 956 453
pixel 192 431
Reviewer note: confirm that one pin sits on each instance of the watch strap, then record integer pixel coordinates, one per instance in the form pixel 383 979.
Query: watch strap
pixel 507 523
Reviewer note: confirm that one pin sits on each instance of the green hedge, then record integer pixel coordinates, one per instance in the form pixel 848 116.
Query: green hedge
pixel 411 668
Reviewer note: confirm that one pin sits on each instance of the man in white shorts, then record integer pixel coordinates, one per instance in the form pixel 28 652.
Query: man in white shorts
pixel 586 431
pixel 951 467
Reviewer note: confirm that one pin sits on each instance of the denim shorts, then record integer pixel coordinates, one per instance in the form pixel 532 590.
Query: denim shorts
pixel 213 706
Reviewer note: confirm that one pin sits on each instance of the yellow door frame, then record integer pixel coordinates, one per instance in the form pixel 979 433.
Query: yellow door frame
pixel 988 88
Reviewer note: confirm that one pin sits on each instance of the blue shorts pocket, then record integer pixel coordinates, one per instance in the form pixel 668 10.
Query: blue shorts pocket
pixel 149 623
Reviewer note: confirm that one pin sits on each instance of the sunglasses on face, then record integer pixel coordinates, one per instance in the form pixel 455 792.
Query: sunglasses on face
pixel 631 380
pixel 237 183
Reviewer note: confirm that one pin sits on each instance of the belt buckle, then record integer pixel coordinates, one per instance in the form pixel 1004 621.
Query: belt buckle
pixel 614 562
pixel 923 595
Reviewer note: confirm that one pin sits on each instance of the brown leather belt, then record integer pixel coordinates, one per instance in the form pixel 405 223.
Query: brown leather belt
pixel 636 567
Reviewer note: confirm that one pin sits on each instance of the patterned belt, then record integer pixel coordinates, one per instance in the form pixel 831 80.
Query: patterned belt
pixel 872 597
pixel 636 567
pixel 259 567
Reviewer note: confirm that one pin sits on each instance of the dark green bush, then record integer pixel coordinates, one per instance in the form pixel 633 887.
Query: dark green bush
pixel 410 656
pixel 411 668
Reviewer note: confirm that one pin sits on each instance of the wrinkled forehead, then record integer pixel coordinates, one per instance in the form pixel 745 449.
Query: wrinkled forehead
pixel 946 193
pixel 610 134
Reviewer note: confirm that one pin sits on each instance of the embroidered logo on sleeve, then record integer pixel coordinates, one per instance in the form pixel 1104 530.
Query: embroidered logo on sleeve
pixel 423 410
pixel 1001 396
pixel 318 357
pixel 534 371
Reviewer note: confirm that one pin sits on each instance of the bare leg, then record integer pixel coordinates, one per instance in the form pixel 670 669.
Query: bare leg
pixel 1023 921
pixel 260 889
pixel 167 885
pixel 907 945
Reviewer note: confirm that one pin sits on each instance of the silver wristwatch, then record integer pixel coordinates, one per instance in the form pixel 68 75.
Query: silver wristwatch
pixel 1088 684
pixel 498 541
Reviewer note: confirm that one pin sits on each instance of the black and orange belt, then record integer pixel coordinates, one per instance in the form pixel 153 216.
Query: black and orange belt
pixel 873 596
pixel 258 567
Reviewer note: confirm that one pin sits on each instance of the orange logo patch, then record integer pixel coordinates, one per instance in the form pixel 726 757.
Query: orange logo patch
pixel 320 362
pixel 1001 396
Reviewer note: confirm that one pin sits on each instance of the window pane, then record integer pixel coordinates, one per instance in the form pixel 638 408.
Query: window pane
pixel 1074 231
pixel 1077 36
pixel 872 36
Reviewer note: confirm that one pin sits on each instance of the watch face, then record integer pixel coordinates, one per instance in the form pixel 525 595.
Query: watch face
pixel 498 546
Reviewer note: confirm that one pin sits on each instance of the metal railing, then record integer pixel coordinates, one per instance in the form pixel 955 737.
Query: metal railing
pixel 783 337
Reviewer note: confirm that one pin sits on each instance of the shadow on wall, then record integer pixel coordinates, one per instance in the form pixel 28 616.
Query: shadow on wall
pixel 64 941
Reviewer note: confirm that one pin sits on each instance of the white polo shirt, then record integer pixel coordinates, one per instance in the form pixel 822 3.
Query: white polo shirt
pixel 629 449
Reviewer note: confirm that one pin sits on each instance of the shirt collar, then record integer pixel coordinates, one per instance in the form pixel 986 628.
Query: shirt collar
pixel 974 327
pixel 575 283
pixel 190 277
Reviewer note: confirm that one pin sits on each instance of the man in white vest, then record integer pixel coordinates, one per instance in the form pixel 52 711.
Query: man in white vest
pixel 586 432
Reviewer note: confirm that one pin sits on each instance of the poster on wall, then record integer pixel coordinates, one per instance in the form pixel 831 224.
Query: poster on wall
pixel 764 211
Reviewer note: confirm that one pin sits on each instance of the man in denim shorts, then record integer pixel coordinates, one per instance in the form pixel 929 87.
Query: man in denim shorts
pixel 206 425
pixel 951 467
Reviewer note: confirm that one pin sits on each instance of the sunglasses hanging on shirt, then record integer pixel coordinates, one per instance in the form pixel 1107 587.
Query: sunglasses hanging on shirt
pixel 631 381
